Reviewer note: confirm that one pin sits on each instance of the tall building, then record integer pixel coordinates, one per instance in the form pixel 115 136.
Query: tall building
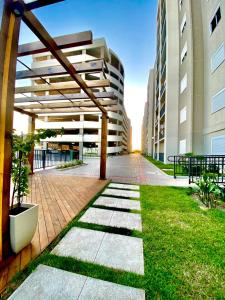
pixel 189 101
pixel 82 130
pixel 147 126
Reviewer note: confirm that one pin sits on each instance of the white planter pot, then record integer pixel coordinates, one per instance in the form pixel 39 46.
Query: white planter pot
pixel 23 226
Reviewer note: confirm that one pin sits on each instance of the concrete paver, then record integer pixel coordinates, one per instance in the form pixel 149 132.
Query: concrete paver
pixel 112 218
pixel 124 186
pixel 121 193
pixel 48 283
pixel 110 250
pixel 118 203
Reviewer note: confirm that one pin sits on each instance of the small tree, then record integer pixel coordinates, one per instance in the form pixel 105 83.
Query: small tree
pixel 22 146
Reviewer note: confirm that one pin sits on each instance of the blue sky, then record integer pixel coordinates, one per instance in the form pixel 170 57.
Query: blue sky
pixel 129 28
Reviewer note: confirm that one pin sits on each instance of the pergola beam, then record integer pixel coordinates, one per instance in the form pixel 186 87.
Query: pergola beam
pixel 62 42
pixel 40 3
pixel 22 111
pixel 78 96
pixel 37 28
pixel 67 85
pixel 87 67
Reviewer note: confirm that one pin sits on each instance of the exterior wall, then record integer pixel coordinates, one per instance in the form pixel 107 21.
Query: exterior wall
pixel 119 138
pixel 189 124
pixel 214 81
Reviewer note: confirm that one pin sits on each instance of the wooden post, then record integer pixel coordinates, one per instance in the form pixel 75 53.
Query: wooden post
pixel 9 35
pixel 104 133
pixel 31 129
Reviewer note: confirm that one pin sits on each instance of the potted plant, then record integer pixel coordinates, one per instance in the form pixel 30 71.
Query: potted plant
pixel 23 216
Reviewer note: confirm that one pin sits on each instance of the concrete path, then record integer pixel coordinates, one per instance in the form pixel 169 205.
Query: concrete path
pixel 116 251
pixel 133 168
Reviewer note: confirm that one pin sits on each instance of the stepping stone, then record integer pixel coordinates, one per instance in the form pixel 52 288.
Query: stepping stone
pixel 121 193
pixel 118 203
pixel 48 283
pixel 106 249
pixel 124 186
pixel 112 218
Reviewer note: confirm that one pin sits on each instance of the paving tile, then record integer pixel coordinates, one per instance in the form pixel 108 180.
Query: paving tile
pixel 118 203
pixel 97 216
pixel 121 193
pixel 95 289
pixel 121 252
pixel 124 186
pixel 50 283
pixel 126 220
pixel 107 249
pixel 112 218
pixel 80 243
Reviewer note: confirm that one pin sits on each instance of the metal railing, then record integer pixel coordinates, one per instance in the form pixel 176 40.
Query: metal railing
pixel 195 166
pixel 50 158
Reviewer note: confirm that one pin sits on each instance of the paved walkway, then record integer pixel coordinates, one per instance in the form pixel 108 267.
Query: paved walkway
pixel 116 251
pixel 133 168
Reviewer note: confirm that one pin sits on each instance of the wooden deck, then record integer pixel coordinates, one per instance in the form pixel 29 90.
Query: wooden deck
pixel 60 199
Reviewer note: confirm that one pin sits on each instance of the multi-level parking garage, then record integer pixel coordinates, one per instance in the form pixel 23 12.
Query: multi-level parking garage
pixel 82 130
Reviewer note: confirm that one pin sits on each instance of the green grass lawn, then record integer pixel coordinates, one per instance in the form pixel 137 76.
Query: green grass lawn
pixel 184 249
pixel 166 168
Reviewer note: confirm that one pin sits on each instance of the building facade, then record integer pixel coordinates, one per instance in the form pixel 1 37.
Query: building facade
pixel 82 130
pixel 189 102
pixel 147 126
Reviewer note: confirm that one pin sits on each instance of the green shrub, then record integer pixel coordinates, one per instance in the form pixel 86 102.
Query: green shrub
pixel 70 164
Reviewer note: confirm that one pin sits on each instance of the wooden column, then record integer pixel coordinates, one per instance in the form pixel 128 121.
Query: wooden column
pixel 31 129
pixel 104 133
pixel 9 35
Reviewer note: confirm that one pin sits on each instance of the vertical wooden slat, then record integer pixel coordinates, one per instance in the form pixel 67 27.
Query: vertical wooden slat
pixel 103 146
pixel 31 129
pixel 9 35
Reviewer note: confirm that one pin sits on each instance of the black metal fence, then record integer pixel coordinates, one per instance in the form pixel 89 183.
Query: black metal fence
pixel 50 158
pixel 195 166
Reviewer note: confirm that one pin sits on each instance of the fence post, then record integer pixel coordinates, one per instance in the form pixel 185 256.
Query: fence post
pixel 174 167
pixel 43 158
pixel 189 168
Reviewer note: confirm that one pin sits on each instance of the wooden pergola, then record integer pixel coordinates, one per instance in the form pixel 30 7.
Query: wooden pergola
pixel 73 96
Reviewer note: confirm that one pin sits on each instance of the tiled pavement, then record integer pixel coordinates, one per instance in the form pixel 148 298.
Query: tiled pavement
pixel 133 168
pixel 111 250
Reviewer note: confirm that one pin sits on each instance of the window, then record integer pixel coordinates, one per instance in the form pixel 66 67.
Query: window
pixel 183 84
pixel 182 148
pixel 218 101
pixel 183 53
pixel 183 24
pixel 218 57
pixel 215 20
pixel 218 145
pixel 181 4
pixel 183 115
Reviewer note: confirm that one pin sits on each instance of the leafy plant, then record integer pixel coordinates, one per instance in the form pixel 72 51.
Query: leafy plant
pixel 207 190
pixel 70 164
pixel 22 146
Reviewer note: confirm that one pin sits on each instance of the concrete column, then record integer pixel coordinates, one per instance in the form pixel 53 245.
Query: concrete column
pixel 81 144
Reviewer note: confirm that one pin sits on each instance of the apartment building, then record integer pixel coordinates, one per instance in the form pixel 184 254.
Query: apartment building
pixel 189 101
pixel 82 130
pixel 147 125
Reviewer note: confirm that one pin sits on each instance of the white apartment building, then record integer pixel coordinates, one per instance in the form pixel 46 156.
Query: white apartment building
pixel 189 92
pixel 82 130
